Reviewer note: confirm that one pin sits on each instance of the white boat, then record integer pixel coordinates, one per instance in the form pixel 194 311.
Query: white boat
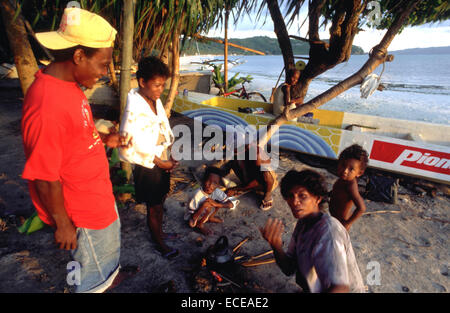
pixel 206 62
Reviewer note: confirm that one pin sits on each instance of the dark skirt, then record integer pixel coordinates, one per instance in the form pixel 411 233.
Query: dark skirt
pixel 151 184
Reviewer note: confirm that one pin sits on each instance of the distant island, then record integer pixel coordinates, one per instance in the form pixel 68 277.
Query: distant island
pixel 261 43
pixel 431 50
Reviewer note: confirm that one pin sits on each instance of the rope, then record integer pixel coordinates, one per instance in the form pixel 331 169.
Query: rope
pixel 383 54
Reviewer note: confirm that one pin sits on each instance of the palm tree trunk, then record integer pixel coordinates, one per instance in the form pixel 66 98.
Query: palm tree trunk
pixel 18 40
pixel 175 62
pixel 125 69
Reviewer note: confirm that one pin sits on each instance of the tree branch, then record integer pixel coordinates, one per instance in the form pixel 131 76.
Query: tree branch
pixel 282 33
pixel 377 56
pixel 307 40
pixel 315 9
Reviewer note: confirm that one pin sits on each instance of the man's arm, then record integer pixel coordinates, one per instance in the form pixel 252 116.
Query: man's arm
pixel 51 196
pixel 242 188
pixel 359 203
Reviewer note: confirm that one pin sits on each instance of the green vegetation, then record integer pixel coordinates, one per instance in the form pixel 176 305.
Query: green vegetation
pixel 261 43
pixel 219 80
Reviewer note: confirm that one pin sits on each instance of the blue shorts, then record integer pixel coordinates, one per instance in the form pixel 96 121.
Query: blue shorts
pixel 98 253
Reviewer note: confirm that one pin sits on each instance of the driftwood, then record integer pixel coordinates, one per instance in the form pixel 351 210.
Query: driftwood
pixel 413 244
pixel 380 212
pixel 240 245
pixel 429 218
pixel 258 262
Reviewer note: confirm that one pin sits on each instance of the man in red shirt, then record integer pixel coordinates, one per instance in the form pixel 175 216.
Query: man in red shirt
pixel 66 163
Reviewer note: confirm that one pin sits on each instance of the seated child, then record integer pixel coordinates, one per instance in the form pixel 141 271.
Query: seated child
pixel 351 165
pixel 283 95
pixel 207 200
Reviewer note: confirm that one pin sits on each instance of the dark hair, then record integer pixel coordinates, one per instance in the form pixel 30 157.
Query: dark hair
pixel 355 152
pixel 150 67
pixel 64 55
pixel 311 180
pixel 290 72
pixel 211 170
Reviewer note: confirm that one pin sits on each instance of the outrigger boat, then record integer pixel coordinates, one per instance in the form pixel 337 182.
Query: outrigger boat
pixel 205 63
pixel 406 147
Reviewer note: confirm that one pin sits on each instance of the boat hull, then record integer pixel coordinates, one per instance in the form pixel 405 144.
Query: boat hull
pixel 412 148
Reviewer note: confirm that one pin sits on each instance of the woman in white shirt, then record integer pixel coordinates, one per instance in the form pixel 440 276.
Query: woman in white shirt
pixel 147 127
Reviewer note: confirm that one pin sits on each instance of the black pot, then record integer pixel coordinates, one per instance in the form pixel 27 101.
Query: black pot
pixel 219 255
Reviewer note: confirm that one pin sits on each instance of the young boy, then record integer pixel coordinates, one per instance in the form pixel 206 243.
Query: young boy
pixel 207 201
pixel 351 165
pixel 320 251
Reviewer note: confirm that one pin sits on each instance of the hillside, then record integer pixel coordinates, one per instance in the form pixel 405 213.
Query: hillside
pixel 431 50
pixel 264 44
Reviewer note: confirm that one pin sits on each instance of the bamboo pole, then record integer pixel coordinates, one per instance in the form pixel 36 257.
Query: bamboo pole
pixel 225 54
pixel 229 44
pixel 127 58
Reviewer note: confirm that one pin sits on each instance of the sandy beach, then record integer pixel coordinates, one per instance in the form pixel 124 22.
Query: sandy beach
pixel 408 241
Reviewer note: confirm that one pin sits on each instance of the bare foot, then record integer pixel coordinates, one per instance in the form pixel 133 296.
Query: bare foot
pixel 215 219
pixel 124 273
pixel 203 230
pixel 193 222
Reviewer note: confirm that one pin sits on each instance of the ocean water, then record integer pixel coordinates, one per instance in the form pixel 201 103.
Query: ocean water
pixel 417 86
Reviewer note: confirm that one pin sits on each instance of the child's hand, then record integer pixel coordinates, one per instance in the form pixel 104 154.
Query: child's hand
pixel 346 225
pixel 227 204
pixel 272 232
pixel 208 203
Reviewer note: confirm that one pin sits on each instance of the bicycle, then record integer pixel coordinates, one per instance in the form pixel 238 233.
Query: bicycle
pixel 242 93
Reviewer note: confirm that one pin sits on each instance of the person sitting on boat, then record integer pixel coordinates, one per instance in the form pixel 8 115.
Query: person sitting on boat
pixel 254 173
pixel 284 96
pixel 320 251
pixel 207 200
pixel 352 163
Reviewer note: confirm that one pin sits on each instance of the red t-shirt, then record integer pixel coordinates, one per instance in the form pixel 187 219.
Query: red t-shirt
pixel 62 143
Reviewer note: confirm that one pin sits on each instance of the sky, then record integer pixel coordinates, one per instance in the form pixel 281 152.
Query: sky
pixel 427 35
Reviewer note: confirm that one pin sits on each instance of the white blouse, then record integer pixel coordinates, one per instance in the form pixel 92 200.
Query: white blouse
pixel 144 127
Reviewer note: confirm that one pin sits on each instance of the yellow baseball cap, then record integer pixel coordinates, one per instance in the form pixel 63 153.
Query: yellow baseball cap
pixel 79 27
